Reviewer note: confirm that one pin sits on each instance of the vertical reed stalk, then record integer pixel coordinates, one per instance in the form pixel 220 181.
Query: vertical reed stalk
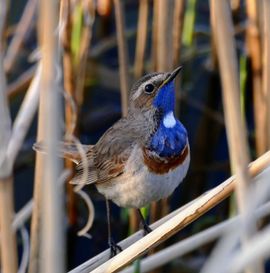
pixel 141 38
pixel 161 61
pixel 8 240
pixel 266 64
pixel 88 17
pixel 75 38
pixel 178 20
pixel 253 38
pixel 52 229
pixel 235 5
pixel 214 63
pixel 235 127
pixel 163 21
pixel 8 236
pixel 138 71
pixel 154 36
pixel 122 54
pixel 35 242
pixel 163 43
pixel 189 22
pixel 69 86
pixel 124 77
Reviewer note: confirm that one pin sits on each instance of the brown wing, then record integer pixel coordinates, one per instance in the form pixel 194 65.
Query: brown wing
pixel 109 154
pixel 67 150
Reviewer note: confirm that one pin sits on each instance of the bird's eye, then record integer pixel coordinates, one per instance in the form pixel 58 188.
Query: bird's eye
pixel 149 88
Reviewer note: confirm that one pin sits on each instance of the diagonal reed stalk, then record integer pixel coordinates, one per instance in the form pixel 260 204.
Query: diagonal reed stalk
pixel 22 82
pixel 24 117
pixel 192 243
pixel 8 244
pixel 135 245
pixel 19 35
pixel 248 256
pixel 235 127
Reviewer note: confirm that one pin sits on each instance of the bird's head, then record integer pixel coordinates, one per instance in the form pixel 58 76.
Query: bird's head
pixel 152 110
pixel 154 91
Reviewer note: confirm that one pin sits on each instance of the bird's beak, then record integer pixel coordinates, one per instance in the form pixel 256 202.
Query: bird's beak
pixel 172 75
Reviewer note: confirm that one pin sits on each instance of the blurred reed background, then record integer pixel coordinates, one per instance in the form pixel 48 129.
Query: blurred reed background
pixel 66 68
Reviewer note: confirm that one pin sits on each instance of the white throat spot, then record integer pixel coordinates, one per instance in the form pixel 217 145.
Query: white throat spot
pixel 169 120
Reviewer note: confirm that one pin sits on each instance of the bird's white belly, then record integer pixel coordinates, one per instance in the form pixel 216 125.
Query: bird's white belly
pixel 137 187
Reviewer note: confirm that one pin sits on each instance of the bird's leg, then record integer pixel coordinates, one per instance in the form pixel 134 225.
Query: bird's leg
pixel 146 227
pixel 112 245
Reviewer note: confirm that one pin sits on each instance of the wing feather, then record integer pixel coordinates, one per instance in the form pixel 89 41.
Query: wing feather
pixel 110 154
pixel 67 150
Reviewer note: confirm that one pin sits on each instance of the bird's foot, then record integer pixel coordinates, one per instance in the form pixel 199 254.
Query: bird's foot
pixel 144 224
pixel 115 248
pixel 146 229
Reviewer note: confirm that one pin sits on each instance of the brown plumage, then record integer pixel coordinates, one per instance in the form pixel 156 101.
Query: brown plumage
pixel 123 157
pixel 161 165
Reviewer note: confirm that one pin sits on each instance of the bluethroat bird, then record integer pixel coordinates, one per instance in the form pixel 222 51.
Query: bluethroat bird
pixel 144 156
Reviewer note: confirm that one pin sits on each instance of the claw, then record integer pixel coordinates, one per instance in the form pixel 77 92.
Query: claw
pixel 115 248
pixel 146 229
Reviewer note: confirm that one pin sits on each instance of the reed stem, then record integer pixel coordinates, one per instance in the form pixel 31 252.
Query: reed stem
pixel 192 243
pixel 178 22
pixel 17 40
pixel 8 243
pixel 122 55
pixel 266 65
pixel 141 38
pixel 164 41
pixel 254 45
pixel 235 127
pixel 70 89
pixel 52 229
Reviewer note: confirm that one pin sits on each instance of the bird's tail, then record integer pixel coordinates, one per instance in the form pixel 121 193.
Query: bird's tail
pixel 69 150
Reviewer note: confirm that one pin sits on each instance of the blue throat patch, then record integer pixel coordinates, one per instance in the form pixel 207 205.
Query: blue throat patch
pixel 168 140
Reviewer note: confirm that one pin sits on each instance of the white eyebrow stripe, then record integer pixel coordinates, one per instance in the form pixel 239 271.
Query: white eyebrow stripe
pixel 138 93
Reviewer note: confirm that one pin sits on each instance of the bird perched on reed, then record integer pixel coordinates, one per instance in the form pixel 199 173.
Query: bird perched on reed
pixel 144 156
